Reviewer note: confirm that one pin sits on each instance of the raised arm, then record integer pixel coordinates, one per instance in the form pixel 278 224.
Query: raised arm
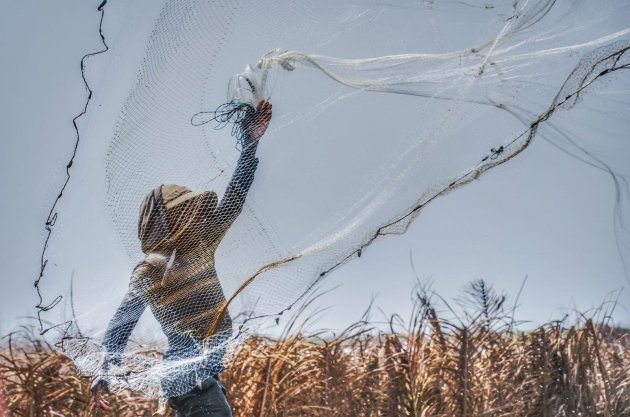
pixel 236 192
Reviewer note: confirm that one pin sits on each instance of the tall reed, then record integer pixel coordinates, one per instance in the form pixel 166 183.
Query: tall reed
pixel 475 364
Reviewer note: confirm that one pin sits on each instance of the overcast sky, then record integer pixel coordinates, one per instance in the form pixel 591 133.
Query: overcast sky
pixel 543 216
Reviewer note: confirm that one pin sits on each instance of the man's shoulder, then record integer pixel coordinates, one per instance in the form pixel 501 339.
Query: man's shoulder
pixel 153 263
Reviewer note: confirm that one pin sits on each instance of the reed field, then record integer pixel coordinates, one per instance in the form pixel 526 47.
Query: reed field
pixel 434 363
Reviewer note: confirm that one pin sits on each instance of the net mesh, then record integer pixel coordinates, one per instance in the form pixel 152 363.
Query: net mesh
pixel 221 227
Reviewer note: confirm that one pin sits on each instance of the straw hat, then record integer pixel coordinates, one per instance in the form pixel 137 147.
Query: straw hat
pixel 168 210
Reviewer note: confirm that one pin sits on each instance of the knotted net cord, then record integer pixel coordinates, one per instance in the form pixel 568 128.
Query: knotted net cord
pixel 331 178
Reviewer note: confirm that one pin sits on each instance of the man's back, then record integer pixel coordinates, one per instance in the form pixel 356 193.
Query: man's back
pixel 183 292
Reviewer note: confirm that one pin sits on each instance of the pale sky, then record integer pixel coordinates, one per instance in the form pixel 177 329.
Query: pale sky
pixel 544 215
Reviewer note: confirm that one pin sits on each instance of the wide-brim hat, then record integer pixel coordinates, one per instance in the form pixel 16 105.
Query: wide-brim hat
pixel 173 195
pixel 164 212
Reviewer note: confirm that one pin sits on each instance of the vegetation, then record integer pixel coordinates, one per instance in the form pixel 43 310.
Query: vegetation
pixel 473 365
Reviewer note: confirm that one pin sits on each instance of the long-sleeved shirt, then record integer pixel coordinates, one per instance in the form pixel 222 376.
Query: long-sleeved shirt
pixel 183 290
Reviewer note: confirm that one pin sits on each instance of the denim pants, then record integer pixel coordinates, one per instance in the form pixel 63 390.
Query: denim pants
pixel 208 400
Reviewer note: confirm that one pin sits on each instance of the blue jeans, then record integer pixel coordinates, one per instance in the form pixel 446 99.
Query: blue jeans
pixel 208 400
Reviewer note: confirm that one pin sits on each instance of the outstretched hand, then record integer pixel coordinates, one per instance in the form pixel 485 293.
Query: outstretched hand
pixel 99 388
pixel 256 125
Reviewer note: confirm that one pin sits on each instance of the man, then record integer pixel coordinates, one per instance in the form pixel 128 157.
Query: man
pixel 179 232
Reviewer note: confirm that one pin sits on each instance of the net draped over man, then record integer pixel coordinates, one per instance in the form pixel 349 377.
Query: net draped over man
pixel 179 232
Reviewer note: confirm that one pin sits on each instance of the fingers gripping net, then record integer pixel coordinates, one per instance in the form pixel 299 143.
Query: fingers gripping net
pixel 218 239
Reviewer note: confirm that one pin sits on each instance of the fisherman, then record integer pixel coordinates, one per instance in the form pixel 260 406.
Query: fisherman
pixel 179 232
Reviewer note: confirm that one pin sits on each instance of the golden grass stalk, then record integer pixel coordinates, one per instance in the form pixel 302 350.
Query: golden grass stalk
pixel 430 366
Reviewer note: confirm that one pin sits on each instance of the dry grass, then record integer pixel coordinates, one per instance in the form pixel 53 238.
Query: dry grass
pixel 473 366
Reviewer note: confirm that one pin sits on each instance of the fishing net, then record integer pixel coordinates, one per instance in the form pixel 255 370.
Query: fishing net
pixel 379 107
